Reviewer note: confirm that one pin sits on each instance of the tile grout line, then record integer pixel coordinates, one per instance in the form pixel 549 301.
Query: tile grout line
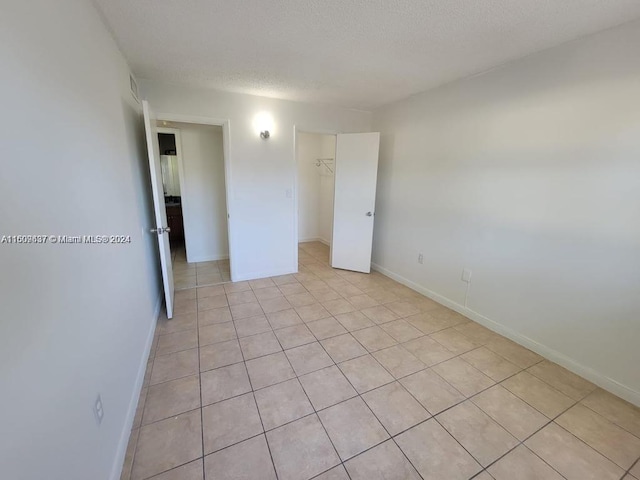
pixel 396 379
pixel 200 386
pixel 391 437
pixel 551 420
pixel 522 442
pixel 628 472
pixel 236 396
pixel 433 416
pixel 610 421
pixel 370 353
pixel 312 406
pixel 360 395
pixel 255 403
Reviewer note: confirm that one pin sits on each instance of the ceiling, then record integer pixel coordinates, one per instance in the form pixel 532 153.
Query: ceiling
pixel 353 53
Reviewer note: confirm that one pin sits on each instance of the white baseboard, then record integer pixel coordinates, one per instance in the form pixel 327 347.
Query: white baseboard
pixel 588 373
pixel 265 274
pixel 209 258
pixel 308 239
pixel 314 239
pixel 133 402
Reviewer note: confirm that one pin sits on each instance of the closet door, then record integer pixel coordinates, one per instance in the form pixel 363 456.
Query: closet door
pixel 356 174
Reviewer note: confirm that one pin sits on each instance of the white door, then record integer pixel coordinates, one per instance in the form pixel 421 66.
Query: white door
pixel 356 175
pixel 160 229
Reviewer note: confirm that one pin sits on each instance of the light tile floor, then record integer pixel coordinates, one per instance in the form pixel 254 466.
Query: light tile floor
pixel 331 374
pixel 191 275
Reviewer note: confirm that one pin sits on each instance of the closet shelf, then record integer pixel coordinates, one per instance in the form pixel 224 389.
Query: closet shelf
pixel 326 162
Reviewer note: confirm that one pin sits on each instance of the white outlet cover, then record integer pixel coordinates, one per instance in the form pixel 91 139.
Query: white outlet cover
pixel 466 275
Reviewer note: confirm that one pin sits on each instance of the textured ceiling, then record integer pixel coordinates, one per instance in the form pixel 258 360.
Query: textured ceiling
pixel 355 53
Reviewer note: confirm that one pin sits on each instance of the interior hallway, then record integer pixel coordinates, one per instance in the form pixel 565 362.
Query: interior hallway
pixel 332 374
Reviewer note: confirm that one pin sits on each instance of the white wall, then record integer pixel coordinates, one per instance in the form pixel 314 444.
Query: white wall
pixel 76 319
pixel 315 187
pixel 309 149
pixel 261 206
pixel 204 205
pixel 327 183
pixel 530 176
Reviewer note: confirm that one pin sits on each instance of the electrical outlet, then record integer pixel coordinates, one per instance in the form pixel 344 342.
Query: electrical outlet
pixel 98 410
pixel 466 275
pixel 420 258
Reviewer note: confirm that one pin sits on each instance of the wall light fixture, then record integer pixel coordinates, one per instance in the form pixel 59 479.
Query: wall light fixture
pixel 263 124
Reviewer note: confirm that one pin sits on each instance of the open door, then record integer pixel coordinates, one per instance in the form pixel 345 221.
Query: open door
pixel 356 174
pixel 157 190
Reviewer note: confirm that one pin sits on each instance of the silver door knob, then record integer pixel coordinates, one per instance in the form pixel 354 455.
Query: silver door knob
pixel 160 230
pixel 369 214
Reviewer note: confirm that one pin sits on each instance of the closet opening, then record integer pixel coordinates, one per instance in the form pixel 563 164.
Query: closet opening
pixel 315 155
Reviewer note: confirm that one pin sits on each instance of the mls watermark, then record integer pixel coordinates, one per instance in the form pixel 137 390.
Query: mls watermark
pixel 65 239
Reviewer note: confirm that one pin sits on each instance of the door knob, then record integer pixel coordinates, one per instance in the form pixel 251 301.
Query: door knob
pixel 160 230
pixel 369 214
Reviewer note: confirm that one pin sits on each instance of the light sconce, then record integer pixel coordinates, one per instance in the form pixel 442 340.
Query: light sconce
pixel 263 124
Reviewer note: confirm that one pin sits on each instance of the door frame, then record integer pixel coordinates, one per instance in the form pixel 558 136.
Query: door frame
pixel 226 135
pixel 296 181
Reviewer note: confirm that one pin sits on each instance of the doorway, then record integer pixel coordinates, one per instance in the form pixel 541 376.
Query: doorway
pixel 336 195
pixel 315 159
pixel 193 177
